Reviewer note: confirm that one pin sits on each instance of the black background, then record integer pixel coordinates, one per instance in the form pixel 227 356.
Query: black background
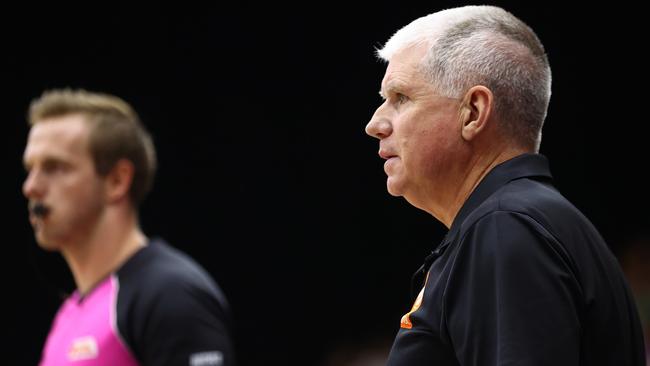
pixel 266 175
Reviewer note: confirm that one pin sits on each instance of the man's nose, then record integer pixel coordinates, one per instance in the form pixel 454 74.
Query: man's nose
pixel 379 126
pixel 32 186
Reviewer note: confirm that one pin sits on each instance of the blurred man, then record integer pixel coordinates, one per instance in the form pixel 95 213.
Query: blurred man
pixel 138 301
pixel 522 277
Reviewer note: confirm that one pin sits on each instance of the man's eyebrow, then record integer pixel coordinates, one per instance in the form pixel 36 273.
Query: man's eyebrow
pixel 383 91
pixel 390 87
pixel 50 159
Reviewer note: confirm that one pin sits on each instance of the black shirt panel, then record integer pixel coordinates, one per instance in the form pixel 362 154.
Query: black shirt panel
pixel 170 311
pixel 514 302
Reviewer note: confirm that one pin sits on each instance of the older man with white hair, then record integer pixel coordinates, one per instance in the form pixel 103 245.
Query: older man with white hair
pixel 522 277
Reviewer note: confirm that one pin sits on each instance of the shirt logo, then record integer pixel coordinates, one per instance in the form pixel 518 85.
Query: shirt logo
pixel 83 348
pixel 211 358
pixel 406 319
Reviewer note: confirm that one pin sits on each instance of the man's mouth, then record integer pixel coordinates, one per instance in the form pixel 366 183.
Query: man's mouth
pixel 386 155
pixel 38 210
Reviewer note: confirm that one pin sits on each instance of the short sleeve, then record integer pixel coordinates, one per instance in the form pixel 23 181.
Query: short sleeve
pixel 186 325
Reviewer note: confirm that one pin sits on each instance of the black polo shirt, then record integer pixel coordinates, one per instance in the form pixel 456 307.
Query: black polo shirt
pixel 521 278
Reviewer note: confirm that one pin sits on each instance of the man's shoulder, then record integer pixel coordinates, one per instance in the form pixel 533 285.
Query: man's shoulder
pixel 159 270
pixel 166 296
pixel 537 200
pixel 526 210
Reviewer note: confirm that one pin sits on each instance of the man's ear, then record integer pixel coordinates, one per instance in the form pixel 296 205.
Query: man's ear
pixel 475 111
pixel 119 179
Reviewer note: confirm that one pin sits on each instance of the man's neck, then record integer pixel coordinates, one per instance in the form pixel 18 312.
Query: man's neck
pixel 113 241
pixel 478 168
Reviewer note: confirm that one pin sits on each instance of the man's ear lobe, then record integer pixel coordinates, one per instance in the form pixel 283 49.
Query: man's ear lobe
pixel 476 110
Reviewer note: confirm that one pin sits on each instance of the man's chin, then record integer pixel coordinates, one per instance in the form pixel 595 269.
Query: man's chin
pixel 393 188
pixel 46 243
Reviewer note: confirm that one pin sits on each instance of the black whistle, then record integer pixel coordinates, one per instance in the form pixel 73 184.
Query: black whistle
pixel 39 209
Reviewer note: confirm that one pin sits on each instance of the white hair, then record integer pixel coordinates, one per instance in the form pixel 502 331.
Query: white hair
pixel 484 45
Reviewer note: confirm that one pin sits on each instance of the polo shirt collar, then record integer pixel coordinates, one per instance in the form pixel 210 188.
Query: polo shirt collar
pixel 527 165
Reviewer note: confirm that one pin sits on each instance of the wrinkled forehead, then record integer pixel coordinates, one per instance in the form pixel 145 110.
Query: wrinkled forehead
pixel 65 136
pixel 410 58
pixel 405 67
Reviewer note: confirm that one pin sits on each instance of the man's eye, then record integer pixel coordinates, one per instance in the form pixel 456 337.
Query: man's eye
pixel 401 98
pixel 49 167
pixel 52 167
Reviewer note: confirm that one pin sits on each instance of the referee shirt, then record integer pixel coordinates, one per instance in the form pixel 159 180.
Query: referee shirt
pixel 160 308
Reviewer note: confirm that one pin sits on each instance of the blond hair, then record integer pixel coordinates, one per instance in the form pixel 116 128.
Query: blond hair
pixel 115 133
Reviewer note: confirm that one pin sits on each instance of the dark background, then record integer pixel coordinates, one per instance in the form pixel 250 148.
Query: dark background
pixel 266 175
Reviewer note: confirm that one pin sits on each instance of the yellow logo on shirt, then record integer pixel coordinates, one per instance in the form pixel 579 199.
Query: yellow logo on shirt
pixel 406 319
pixel 83 348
